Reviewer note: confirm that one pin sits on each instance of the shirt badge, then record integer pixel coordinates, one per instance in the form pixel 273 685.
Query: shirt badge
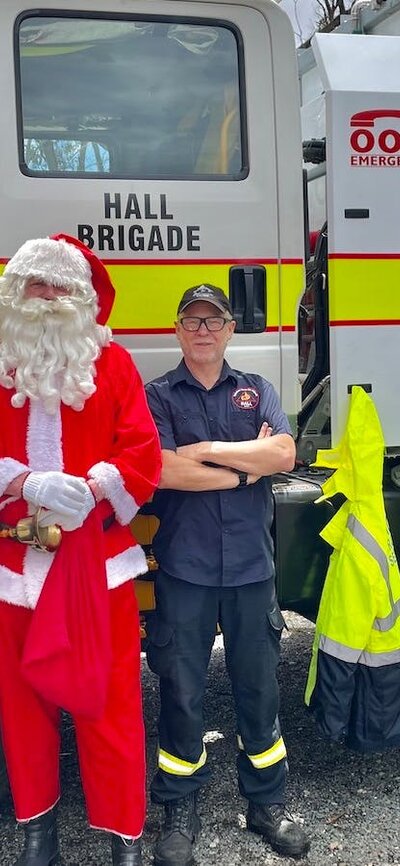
pixel 246 398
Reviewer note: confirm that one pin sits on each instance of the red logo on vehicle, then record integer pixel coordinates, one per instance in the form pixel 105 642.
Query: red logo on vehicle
pixel 246 398
pixel 375 138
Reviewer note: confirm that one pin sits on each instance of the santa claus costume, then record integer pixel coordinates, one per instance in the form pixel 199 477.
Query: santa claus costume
pixel 73 412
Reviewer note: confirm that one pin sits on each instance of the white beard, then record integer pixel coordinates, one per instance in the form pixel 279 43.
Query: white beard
pixel 48 350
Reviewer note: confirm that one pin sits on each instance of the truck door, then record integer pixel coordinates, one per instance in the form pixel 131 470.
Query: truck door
pixel 170 144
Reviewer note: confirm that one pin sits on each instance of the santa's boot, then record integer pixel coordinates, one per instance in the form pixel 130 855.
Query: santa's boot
pixel 126 852
pixel 41 842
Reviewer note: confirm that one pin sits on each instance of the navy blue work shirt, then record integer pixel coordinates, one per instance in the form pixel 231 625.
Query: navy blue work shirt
pixel 214 538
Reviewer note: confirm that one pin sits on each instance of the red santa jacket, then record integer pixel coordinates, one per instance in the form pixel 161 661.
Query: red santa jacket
pixel 112 440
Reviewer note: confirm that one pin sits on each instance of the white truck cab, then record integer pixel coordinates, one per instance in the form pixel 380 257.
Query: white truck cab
pixel 166 135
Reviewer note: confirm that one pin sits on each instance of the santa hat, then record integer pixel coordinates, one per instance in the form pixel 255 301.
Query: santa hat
pixel 64 261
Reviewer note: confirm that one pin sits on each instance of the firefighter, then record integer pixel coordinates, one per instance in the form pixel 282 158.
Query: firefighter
pixel 76 435
pixel 223 434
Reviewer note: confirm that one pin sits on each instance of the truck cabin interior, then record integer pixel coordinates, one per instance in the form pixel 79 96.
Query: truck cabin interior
pixel 127 97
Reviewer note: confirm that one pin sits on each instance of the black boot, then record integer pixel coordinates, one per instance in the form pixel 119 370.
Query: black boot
pixel 181 826
pixel 278 828
pixel 126 852
pixel 41 842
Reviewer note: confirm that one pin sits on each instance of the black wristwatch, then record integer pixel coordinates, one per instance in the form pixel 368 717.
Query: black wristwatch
pixel 242 479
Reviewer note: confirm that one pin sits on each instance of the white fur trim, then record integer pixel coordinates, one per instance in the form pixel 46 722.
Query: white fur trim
pixel 44 453
pixel 126 565
pixel 36 568
pixel 111 484
pixel 43 448
pixel 43 445
pixel 12 587
pixel 57 262
pixel 10 469
pixel 24 589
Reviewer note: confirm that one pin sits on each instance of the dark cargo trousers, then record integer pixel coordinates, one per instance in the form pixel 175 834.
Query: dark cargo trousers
pixel 181 637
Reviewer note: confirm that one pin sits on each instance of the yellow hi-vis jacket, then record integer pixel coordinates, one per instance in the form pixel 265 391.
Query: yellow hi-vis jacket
pixel 353 682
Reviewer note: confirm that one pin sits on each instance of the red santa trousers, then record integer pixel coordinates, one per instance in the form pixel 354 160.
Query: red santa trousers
pixel 111 749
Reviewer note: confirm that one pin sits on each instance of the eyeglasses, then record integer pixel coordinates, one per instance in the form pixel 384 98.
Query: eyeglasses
pixel 212 323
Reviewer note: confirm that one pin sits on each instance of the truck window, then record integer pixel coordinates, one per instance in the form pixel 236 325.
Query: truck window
pixel 129 98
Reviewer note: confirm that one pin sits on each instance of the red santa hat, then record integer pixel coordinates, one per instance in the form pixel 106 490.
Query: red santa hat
pixel 64 261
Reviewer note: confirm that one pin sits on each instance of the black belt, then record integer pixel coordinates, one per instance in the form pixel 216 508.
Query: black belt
pixel 108 521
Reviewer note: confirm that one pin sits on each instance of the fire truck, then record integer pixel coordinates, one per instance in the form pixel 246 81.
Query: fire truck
pixel 171 139
pixel 349 314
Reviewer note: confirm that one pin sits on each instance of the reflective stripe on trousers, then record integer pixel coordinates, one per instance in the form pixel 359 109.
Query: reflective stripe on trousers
pixel 171 764
pixel 266 759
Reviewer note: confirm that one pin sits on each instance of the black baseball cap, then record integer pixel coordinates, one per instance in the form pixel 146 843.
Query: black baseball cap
pixel 206 292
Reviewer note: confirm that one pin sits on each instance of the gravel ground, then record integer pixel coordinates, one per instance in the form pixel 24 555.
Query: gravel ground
pixel 349 803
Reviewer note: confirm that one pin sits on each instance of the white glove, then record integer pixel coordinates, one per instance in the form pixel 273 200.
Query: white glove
pixel 67 522
pixel 58 492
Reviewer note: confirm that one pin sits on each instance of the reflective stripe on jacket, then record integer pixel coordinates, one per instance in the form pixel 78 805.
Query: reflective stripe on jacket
pixel 353 682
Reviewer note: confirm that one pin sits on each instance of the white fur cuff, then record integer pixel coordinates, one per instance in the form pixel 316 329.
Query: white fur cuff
pixel 125 566
pixel 112 486
pixel 10 469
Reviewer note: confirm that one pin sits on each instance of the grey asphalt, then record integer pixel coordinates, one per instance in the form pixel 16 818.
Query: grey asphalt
pixel 349 803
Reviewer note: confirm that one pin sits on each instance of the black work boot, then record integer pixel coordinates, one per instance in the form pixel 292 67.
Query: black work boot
pixel 181 826
pixel 126 852
pixel 41 842
pixel 278 828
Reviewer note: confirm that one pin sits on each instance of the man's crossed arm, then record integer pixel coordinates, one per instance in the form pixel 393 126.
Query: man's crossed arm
pixel 185 469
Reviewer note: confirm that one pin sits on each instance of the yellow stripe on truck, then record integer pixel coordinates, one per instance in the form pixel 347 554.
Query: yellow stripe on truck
pixel 363 290
pixel 148 293
pixel 147 296
pixel 292 288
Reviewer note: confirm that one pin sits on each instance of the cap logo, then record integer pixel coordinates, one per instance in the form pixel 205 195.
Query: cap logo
pixel 203 292
pixel 246 398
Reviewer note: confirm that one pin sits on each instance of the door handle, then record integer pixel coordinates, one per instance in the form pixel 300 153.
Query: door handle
pixel 247 293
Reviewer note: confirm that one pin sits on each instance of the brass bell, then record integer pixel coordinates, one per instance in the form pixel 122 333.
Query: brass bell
pixel 29 531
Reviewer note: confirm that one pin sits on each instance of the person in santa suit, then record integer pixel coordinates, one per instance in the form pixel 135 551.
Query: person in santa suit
pixel 76 433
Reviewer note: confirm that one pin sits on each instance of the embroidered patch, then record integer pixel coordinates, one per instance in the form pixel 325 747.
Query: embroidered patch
pixel 246 398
